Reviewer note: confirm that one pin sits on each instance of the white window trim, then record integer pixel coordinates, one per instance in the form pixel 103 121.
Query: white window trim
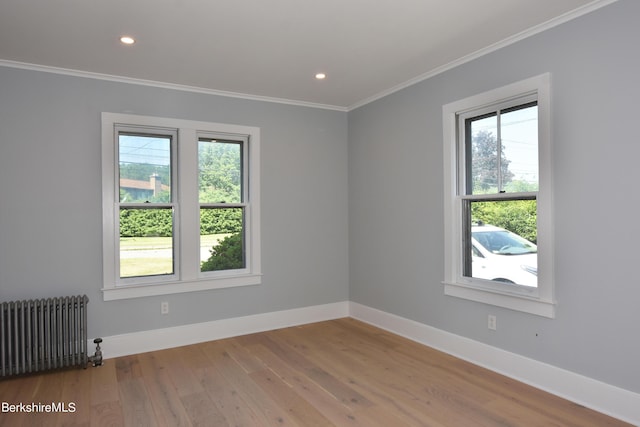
pixel 188 276
pixel 541 300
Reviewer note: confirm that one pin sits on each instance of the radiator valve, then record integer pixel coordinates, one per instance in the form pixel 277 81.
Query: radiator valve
pixel 96 359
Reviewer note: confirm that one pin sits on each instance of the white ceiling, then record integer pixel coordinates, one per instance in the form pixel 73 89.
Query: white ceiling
pixel 270 48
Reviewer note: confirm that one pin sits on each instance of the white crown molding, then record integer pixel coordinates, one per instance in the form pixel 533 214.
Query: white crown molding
pixel 602 397
pixel 163 85
pixel 590 7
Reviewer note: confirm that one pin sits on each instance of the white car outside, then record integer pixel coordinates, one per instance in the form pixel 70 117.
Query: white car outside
pixel 503 256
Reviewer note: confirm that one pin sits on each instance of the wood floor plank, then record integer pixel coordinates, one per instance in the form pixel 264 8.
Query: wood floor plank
pixel 107 414
pixel 194 357
pixel 301 411
pixel 465 379
pixel 416 399
pixel 321 399
pixel 104 393
pixel 226 398
pixel 202 411
pixel 75 399
pixel 48 391
pixel 104 383
pixel 340 390
pixel 261 403
pixel 242 356
pixel 335 373
pixel 180 372
pixel 127 368
pixel 137 409
pixel 420 392
pixel 15 391
pixel 162 393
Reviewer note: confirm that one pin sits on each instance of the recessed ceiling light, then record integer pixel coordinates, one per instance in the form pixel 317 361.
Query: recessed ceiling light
pixel 127 40
pixel 321 76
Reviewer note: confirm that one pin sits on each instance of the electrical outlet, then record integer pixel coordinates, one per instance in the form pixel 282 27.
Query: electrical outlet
pixel 164 307
pixel 492 322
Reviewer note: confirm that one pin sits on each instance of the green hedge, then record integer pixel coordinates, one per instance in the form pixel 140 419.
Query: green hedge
pixel 157 222
pixel 145 223
pixel 217 221
pixel 519 216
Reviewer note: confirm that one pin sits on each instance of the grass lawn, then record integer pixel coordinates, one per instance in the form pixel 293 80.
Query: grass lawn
pixel 133 267
pixel 158 258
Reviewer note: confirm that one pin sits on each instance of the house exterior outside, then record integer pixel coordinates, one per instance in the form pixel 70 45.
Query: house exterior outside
pixel 138 189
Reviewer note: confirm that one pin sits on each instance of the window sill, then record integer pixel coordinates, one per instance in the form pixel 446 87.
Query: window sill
pixel 526 304
pixel 146 290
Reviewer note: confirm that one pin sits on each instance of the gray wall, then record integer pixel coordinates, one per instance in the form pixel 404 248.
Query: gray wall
pixel 50 199
pixel 396 198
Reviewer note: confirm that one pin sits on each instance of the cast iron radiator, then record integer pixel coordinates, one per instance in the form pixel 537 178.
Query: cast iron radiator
pixel 44 334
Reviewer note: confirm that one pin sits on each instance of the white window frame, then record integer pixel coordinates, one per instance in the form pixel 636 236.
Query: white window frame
pixel 539 300
pixel 187 276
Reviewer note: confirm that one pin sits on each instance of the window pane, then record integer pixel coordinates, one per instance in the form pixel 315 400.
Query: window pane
pixel 222 245
pixel 502 151
pixel 146 242
pixel 220 171
pixel 482 155
pixel 501 241
pixel 519 138
pixel 145 168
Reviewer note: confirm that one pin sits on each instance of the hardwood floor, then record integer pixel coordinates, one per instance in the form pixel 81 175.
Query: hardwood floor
pixel 336 373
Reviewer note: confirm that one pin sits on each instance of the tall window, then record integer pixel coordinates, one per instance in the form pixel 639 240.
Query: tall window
pixel 181 206
pixel 499 167
pixel 497 213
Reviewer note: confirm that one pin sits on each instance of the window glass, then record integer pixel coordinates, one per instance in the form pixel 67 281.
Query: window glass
pixel 483 153
pixel 220 178
pixel 220 171
pixel 519 137
pixel 146 242
pixel 145 168
pixel 506 252
pixel 222 242
pixel 146 222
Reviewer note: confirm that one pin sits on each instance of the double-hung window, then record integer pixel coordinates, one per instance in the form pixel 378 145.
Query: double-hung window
pixel 181 207
pixel 498 227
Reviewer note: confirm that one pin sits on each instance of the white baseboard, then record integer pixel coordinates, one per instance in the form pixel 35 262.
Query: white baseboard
pixel 176 336
pixel 602 397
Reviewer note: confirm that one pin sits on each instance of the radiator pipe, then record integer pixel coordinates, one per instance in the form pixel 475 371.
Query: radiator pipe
pixel 96 359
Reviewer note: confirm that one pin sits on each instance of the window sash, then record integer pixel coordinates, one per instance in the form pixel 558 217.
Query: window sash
pixel 245 253
pixel 463 141
pixel 467 223
pixel 242 142
pixel 159 276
